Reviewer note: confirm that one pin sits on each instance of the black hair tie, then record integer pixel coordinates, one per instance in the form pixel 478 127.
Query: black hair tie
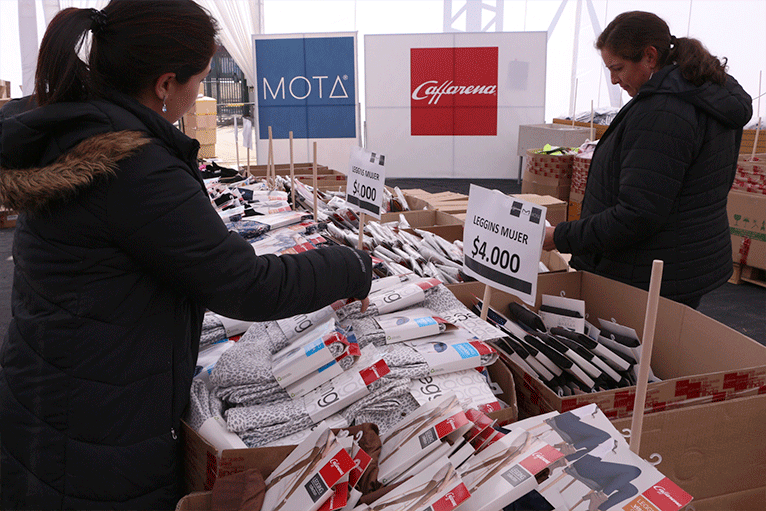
pixel 98 21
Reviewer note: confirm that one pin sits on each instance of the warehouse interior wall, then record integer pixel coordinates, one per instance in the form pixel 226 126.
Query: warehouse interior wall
pixel 575 77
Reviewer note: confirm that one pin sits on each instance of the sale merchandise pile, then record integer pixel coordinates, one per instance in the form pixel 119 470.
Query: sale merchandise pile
pixel 395 408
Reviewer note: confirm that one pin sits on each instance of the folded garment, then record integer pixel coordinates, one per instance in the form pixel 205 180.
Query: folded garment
pixel 258 425
pixel 438 299
pixel 203 405
pixel 212 330
pixel 244 373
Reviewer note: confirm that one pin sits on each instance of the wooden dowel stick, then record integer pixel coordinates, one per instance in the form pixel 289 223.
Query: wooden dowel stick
pixel 755 140
pixel 650 320
pixel 270 163
pixel 316 218
pixel 574 103
pixel 591 134
pixel 236 140
pixel 360 245
pixel 485 302
pixel 292 172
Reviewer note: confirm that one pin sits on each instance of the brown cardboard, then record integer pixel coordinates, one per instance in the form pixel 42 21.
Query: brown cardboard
pixel 203 105
pixel 422 218
pixel 450 233
pixel 196 501
pixel 698 359
pixel 556 208
pixel 203 463
pixel 715 452
pixel 416 203
pixel 544 185
pixel 451 206
pixel 199 121
pixel 206 151
pixel 7 218
pixel 747 223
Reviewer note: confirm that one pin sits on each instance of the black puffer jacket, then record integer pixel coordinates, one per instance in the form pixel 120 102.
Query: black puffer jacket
pixel 657 188
pixel 117 253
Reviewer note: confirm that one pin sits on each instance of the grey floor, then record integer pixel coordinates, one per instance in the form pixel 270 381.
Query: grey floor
pixel 741 307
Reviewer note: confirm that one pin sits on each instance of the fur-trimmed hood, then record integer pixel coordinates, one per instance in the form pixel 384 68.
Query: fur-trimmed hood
pixel 28 189
pixel 49 153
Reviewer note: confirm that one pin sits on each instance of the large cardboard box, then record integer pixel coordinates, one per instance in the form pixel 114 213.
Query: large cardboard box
pixel 715 452
pixel 557 135
pixel 544 185
pixel 203 105
pixel 747 223
pixel 203 463
pixel 698 359
pixel 422 218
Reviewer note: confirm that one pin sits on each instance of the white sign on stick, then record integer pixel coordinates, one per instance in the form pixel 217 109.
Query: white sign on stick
pixel 366 175
pixel 503 241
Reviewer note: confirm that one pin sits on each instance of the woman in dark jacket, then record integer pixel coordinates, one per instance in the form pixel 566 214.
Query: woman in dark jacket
pixel 118 252
pixel 661 173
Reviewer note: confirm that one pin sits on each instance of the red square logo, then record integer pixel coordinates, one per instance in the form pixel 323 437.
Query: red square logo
pixel 453 91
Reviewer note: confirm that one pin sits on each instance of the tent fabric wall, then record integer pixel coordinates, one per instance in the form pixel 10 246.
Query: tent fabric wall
pixel 735 29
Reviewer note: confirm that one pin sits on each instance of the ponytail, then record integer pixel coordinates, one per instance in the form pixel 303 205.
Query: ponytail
pixel 60 74
pixel 134 42
pixel 696 63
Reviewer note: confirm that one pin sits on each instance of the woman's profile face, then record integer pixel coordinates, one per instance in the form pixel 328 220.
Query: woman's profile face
pixel 627 74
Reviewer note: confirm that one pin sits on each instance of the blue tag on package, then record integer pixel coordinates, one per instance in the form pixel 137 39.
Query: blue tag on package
pixel 306 85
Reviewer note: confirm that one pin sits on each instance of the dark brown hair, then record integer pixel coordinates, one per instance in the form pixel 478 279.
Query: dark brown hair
pixel 630 33
pixel 134 42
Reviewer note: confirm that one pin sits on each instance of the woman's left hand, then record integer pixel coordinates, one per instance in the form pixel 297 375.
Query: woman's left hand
pixel 548 243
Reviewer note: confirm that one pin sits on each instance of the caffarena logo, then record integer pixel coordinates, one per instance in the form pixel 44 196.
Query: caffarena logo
pixel 453 91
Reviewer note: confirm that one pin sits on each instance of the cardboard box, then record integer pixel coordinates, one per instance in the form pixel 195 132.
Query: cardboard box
pixel 715 452
pixel 544 185
pixel 205 136
pixel 199 121
pixel 451 206
pixel 698 359
pixel 203 105
pixel 203 463
pixel 747 223
pixel 7 218
pixel 574 210
pixel 422 218
pixel 556 208
pixel 557 135
pixel 416 203
pixel 598 129
pixel 206 151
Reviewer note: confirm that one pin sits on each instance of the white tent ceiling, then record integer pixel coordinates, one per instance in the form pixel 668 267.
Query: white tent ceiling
pixel 735 29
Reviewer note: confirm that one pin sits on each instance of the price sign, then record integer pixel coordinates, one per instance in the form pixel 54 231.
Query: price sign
pixel 502 242
pixel 366 175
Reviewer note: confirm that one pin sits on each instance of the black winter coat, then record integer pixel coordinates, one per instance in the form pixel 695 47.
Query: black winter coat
pixel 117 254
pixel 657 188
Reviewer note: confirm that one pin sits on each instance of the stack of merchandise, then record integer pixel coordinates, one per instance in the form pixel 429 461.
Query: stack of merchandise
pixel 560 348
pixel 444 456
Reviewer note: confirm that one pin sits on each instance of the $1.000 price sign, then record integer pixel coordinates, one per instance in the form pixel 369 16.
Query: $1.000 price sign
pixel 366 175
pixel 503 241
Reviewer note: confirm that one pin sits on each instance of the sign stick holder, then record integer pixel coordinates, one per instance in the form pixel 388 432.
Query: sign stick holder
pixel 650 320
pixel 314 170
pixel 360 244
pixel 758 127
pixel 292 172
pixel 485 302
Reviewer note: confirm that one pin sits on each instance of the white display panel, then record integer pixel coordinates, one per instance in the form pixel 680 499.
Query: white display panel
pixel 520 95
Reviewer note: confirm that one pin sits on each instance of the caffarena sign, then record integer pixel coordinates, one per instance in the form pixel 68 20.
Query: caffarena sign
pixel 453 91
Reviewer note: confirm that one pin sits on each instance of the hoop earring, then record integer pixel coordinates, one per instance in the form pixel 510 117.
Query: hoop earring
pixel 164 106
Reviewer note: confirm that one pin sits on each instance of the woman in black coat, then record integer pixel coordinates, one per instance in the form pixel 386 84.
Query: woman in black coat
pixel 661 173
pixel 118 252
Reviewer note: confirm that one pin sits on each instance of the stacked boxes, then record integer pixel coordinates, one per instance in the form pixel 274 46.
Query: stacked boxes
pixel 548 174
pixel 200 123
